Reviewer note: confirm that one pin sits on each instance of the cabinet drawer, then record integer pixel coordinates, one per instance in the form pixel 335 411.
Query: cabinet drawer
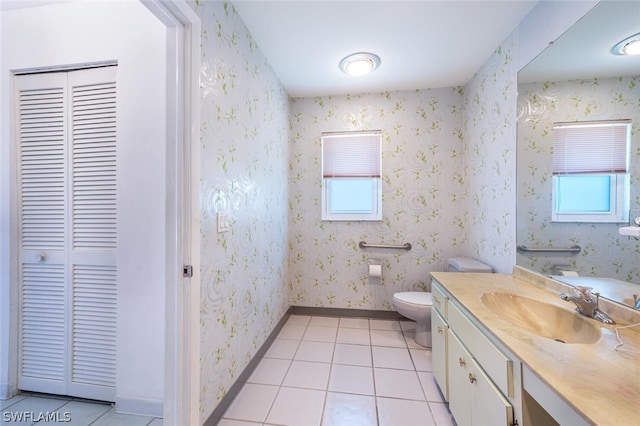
pixel 439 298
pixel 497 365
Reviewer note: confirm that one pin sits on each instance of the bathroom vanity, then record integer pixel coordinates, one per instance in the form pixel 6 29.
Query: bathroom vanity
pixel 507 351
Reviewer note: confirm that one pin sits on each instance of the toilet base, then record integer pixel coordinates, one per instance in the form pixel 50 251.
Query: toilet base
pixel 423 335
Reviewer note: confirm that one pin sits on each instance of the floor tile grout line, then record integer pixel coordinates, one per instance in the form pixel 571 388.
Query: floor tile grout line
pixel 273 402
pixel 333 362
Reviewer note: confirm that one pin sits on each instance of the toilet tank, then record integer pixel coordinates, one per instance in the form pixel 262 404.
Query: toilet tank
pixel 467 264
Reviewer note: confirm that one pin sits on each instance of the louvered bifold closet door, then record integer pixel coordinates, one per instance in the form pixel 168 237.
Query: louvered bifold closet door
pixel 92 147
pixel 67 213
pixel 40 111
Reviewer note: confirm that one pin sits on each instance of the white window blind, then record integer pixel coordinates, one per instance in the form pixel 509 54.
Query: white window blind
pixel 590 147
pixel 351 155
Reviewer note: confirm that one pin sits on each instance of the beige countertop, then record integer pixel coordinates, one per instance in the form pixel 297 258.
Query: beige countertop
pixel 600 383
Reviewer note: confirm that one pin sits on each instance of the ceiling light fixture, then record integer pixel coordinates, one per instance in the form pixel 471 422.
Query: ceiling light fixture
pixel 628 46
pixel 360 63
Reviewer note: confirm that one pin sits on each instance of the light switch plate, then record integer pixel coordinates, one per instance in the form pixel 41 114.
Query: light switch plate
pixel 224 222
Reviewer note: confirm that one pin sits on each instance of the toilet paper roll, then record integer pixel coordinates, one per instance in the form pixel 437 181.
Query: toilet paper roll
pixel 375 271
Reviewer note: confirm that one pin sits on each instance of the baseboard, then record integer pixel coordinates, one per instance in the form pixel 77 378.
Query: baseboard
pixel 8 391
pixel 345 312
pixel 226 401
pixel 138 406
pixel 234 390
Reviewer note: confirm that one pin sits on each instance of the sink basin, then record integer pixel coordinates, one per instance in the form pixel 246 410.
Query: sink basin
pixel 543 319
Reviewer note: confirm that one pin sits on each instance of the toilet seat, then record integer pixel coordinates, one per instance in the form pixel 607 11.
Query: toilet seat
pixel 416 298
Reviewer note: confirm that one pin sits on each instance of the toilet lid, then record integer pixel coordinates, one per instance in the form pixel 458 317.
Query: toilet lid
pixel 421 298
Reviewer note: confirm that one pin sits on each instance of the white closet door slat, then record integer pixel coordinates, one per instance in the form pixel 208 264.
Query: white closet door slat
pixel 41 140
pixel 94 325
pixel 94 160
pixel 43 321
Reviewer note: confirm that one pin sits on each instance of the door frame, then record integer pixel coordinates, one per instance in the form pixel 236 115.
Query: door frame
pixel 182 333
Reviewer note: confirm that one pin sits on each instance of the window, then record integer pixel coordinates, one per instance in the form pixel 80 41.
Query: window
pixel 351 176
pixel 590 171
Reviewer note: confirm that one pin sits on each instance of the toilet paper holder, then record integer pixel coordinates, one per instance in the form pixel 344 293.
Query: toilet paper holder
pixel 375 269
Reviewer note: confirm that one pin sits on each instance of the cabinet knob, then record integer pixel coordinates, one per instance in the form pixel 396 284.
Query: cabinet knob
pixel 41 257
pixel 462 363
pixel 440 330
pixel 471 378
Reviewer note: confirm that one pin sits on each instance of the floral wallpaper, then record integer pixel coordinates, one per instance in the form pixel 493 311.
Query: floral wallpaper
pixel 605 253
pixel 448 189
pixel 244 166
pixel 490 159
pixel 423 197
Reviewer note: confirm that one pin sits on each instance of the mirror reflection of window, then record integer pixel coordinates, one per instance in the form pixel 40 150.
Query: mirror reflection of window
pixel 574 81
pixel 591 171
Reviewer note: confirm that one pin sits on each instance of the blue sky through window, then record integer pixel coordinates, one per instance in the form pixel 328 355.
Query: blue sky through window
pixel 351 195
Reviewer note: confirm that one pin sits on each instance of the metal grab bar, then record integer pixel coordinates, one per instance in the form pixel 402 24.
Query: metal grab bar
pixel 572 249
pixel 405 246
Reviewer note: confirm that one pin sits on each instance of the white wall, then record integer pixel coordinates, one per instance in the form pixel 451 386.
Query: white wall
pixel 81 32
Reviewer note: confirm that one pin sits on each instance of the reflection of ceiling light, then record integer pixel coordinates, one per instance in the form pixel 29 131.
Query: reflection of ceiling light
pixel 628 46
pixel 359 63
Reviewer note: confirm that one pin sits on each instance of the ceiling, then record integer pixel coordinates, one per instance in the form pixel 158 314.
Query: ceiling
pixel 421 43
pixel 22 4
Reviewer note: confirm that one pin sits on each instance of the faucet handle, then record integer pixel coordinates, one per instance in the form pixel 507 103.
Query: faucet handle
pixel 585 292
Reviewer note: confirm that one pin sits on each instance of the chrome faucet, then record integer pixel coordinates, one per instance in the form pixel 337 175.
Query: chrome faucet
pixel 586 304
pixel 636 301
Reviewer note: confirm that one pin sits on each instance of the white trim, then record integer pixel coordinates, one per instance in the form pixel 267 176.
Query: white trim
pixel 138 406
pixel 66 67
pixel 181 397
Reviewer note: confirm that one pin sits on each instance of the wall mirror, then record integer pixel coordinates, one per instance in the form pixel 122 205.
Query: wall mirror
pixel 577 78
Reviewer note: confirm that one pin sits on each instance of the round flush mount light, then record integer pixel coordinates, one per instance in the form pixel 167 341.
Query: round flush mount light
pixel 628 46
pixel 361 63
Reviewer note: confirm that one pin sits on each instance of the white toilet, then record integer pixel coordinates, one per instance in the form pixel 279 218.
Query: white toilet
pixel 416 305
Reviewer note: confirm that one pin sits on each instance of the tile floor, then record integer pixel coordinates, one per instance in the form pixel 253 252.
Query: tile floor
pixel 319 371
pixel 35 409
pixel 341 371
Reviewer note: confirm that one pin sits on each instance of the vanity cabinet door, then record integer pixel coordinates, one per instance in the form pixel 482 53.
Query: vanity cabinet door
pixel 439 352
pixel 460 392
pixel 473 398
pixel 489 406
